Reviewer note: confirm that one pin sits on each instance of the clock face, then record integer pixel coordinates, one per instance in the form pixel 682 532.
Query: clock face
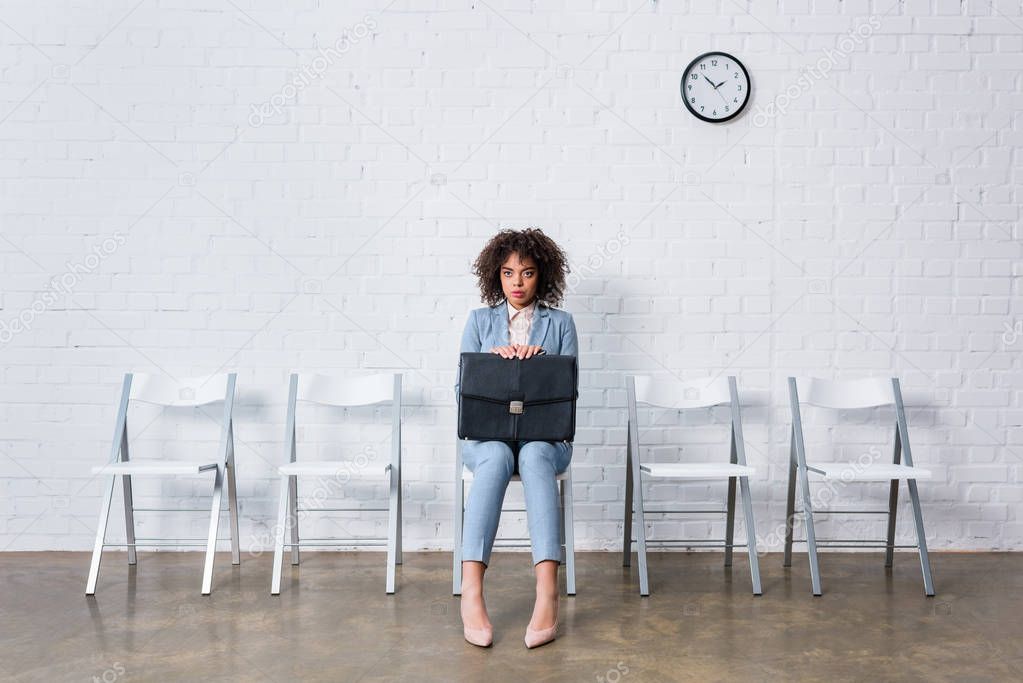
pixel 715 87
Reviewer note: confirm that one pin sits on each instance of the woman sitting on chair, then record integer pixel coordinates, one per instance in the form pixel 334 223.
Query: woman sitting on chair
pixel 521 276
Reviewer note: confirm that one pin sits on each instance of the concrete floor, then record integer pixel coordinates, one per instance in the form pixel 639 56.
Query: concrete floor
pixel 701 622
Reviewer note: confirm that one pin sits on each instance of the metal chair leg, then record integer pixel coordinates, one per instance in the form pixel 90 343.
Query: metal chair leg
pixel 627 526
pixel 232 505
pixel 925 560
pixel 632 444
pixel 893 502
pixel 730 522
pixel 811 539
pixel 637 497
pixel 738 456
pixel 397 556
pixel 798 456
pixel 751 535
pixel 129 519
pixel 211 541
pixel 293 497
pixel 456 547
pixel 392 529
pixel 101 534
pixel 568 519
pixel 396 463
pixel 790 508
pixel 129 506
pixel 644 579
pixel 914 495
pixel 279 530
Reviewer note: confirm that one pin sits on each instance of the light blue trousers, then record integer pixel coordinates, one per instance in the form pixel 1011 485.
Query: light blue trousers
pixel 492 464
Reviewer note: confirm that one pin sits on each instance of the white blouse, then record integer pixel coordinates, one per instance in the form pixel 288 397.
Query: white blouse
pixel 519 323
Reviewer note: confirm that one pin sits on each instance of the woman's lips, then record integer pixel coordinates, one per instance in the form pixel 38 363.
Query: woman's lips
pixel 518 294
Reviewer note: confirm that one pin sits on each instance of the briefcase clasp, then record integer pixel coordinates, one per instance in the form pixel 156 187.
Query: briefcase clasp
pixel 515 407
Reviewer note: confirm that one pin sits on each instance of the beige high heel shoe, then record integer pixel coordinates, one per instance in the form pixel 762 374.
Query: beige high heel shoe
pixel 483 637
pixel 536 638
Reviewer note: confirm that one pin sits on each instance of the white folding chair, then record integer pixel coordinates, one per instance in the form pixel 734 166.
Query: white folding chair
pixel 852 394
pixel 163 391
pixel 464 474
pixel 700 393
pixel 338 392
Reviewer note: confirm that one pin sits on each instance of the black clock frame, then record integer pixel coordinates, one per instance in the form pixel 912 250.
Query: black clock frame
pixel 682 87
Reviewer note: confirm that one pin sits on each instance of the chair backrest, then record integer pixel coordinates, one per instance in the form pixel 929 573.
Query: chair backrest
pixel 667 393
pixel 346 391
pixel 187 391
pixel 169 392
pixel 868 392
pixel 670 393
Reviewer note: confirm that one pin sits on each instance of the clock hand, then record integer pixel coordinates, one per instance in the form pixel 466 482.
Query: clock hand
pixel 720 84
pixel 709 81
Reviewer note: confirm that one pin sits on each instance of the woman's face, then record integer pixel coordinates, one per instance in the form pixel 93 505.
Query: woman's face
pixel 519 279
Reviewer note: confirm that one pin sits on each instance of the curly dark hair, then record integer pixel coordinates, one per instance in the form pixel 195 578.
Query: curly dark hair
pixel 551 261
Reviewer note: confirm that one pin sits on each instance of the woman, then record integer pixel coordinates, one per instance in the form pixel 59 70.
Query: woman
pixel 521 275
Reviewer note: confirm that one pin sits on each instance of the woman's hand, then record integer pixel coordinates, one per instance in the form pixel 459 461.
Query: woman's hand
pixel 521 351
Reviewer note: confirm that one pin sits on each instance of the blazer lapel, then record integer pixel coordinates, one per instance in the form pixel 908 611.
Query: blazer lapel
pixel 500 324
pixel 538 329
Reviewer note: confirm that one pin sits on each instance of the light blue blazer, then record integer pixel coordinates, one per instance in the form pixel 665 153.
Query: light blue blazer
pixel 551 328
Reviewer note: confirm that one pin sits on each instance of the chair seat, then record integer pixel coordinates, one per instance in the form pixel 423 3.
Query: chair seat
pixel 467 475
pixel 320 467
pixel 696 470
pixel 144 467
pixel 852 471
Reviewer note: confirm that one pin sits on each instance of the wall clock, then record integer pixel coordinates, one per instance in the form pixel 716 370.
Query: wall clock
pixel 715 87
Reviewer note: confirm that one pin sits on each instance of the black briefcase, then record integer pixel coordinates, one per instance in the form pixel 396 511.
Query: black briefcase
pixel 507 399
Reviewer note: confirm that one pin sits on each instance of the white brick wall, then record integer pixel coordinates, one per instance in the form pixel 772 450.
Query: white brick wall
pixel 193 187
